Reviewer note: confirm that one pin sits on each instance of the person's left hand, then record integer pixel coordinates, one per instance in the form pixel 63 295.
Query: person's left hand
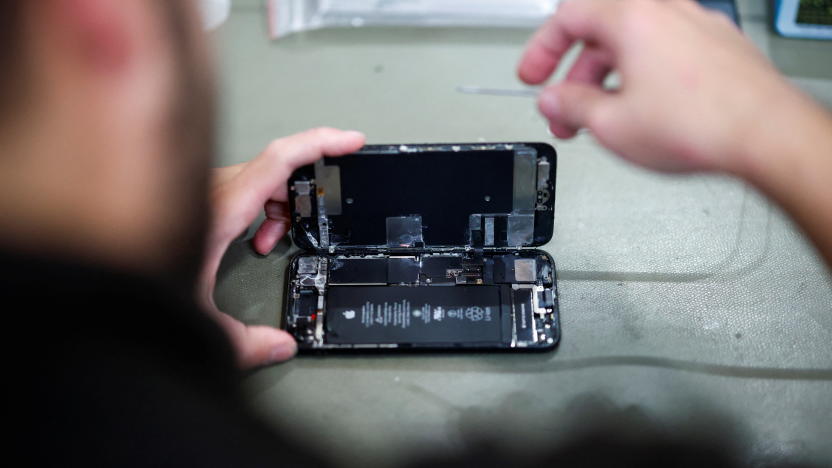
pixel 238 194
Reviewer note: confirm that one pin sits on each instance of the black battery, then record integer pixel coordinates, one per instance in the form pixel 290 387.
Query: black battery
pixel 523 315
pixel 469 315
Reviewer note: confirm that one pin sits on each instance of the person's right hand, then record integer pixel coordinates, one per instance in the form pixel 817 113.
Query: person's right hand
pixel 694 91
pixel 695 95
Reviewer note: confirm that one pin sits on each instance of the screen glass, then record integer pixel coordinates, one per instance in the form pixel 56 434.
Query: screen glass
pixel 815 12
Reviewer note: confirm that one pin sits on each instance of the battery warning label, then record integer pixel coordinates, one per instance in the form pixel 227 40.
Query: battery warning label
pixel 401 314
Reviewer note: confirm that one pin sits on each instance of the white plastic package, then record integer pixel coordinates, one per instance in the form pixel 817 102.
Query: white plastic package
pixel 292 16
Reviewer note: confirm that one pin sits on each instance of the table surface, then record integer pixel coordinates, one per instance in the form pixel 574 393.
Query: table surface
pixel 680 296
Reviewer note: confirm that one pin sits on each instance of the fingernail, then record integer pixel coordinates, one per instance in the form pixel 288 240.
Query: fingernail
pixel 549 104
pixel 356 133
pixel 283 351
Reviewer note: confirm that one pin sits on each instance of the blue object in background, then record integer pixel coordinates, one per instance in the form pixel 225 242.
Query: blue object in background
pixel 729 7
pixel 803 19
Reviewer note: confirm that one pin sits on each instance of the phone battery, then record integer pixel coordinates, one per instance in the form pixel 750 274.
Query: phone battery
pixel 465 315
pixel 523 313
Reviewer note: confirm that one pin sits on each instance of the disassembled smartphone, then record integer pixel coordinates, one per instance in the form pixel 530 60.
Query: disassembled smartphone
pixel 410 247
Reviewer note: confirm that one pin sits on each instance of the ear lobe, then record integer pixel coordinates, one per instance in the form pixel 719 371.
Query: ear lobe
pixel 101 30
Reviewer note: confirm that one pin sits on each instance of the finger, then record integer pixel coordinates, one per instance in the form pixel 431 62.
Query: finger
pixel 589 20
pixel 276 210
pixel 265 177
pixel 269 234
pixel 257 345
pixel 570 106
pixel 562 130
pixel 309 146
pixel 273 228
pixel 283 156
pixel 544 51
pixel 592 67
pixel 266 345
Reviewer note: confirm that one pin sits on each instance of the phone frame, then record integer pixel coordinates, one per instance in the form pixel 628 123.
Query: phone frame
pixel 542 234
pixel 291 270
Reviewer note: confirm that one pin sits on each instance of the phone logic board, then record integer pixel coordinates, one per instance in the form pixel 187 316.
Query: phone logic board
pixel 426 300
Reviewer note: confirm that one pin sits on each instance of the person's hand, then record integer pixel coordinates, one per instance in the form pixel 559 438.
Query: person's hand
pixel 695 95
pixel 693 89
pixel 239 194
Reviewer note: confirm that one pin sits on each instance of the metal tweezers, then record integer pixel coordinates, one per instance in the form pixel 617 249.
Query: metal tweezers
pixel 528 92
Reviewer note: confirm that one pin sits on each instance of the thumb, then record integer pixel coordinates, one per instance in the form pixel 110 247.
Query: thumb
pixel 266 176
pixel 265 345
pixel 257 345
pixel 569 106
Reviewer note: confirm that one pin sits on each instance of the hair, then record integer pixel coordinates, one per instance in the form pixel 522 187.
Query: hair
pixel 11 54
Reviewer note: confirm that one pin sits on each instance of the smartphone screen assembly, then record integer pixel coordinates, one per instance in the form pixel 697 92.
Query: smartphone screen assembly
pixel 430 247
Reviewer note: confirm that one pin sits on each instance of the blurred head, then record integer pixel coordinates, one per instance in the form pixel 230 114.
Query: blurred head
pixel 106 128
